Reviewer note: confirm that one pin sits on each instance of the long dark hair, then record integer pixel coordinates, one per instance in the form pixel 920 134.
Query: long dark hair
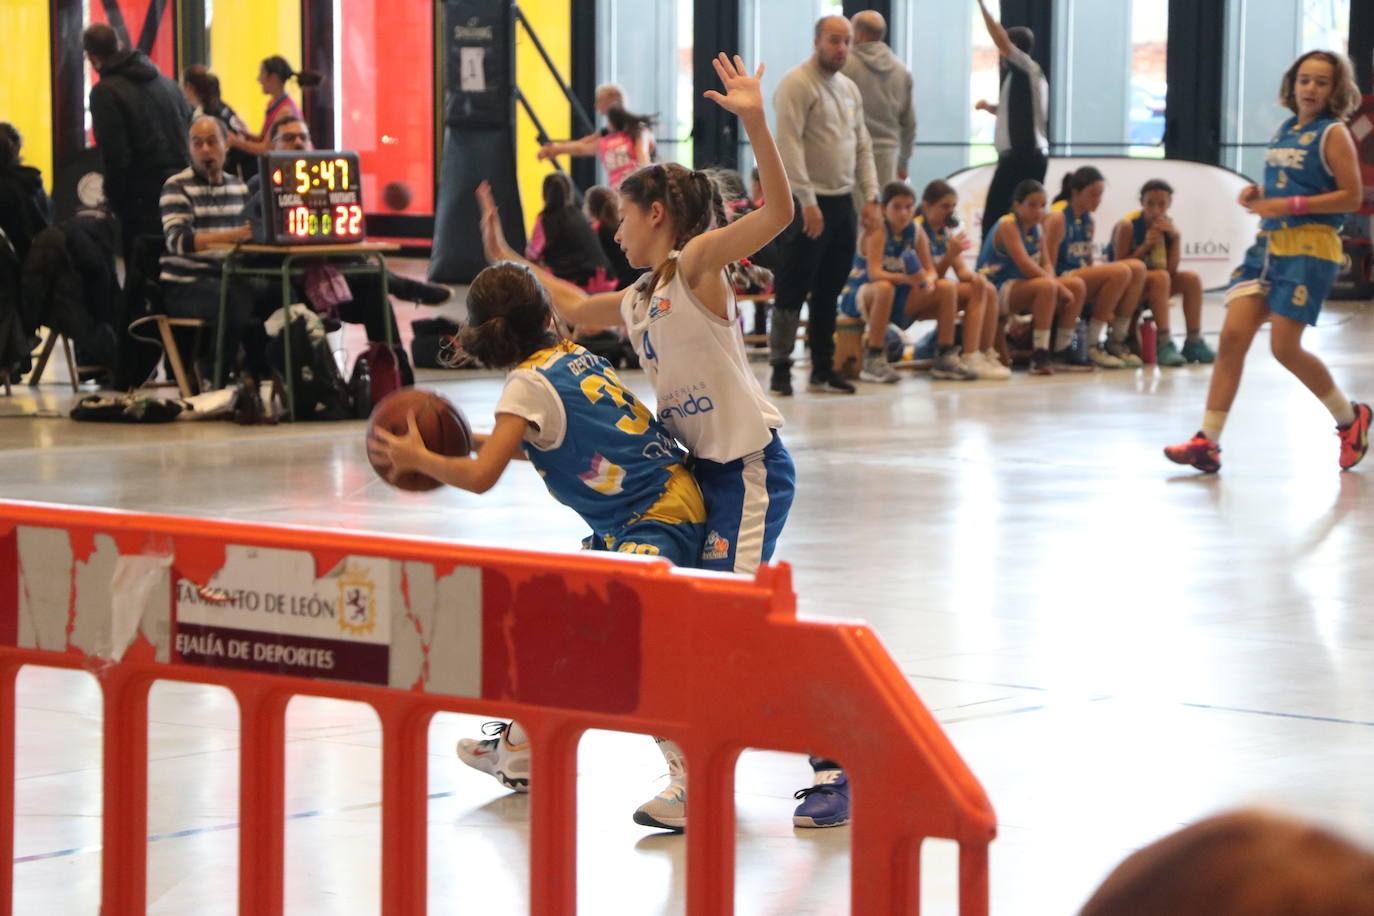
pixel 603 206
pixel 1025 189
pixel 1078 180
pixel 508 314
pixel 560 204
pixel 937 190
pixel 690 198
pixel 205 85
pixel 280 68
pixel 628 121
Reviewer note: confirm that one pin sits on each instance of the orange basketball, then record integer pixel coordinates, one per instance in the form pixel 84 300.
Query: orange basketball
pixel 442 426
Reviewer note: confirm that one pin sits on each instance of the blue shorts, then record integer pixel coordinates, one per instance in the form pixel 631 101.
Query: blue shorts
pixel 747 501
pixel 1294 283
pixel 849 305
pixel 679 544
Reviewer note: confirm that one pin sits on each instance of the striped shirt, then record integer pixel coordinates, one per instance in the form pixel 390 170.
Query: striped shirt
pixel 191 204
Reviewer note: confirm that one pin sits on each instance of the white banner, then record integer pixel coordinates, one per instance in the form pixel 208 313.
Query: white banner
pixel 1215 229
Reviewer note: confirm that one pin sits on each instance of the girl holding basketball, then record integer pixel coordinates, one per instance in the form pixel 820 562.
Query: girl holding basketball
pixel 683 323
pixel 1311 181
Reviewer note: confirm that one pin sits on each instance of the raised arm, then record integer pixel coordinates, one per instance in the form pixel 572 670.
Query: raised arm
pixel 707 254
pixel 570 301
pixel 586 146
pixel 995 31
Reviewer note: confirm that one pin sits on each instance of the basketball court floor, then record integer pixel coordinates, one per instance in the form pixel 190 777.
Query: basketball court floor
pixel 1116 645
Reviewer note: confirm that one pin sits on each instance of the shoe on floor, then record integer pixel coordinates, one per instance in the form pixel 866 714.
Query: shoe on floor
pixel 876 369
pixel 950 365
pixel 829 383
pixel 1355 437
pixel 507 763
pixel 668 809
pixel 781 383
pixel 1202 453
pixel 1197 351
pixel 1040 363
pixel 992 366
pixel 826 802
pixel 1070 360
pixel 1122 351
pixel 1102 359
pixel 1166 353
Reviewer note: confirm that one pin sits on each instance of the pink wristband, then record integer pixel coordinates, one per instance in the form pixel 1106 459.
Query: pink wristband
pixel 1299 206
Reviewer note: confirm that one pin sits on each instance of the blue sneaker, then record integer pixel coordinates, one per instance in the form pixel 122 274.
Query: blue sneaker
pixel 826 803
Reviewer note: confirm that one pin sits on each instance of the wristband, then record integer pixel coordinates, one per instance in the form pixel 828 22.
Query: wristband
pixel 1299 206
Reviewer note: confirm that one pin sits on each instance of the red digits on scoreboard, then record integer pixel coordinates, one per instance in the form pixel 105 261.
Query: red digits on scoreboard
pixel 302 222
pixel 341 219
pixel 355 220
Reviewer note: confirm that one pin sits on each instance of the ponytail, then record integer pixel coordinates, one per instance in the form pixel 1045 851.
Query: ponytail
pixel 1078 181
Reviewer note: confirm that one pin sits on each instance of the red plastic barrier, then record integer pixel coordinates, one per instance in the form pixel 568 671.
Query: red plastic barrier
pixel 415 627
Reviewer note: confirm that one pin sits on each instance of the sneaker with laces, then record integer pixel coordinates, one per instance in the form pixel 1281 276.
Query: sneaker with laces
pixel 668 809
pixel 949 365
pixel 1197 351
pixel 876 369
pixel 781 383
pixel 995 368
pixel 1040 363
pixel 826 802
pixel 1355 437
pixel 1199 451
pixel 1070 360
pixel 1166 352
pixel 1103 359
pixel 1122 351
pixel 508 764
pixel 829 383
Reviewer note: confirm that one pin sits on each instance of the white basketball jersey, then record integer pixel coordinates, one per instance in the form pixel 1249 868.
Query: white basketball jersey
pixel 707 394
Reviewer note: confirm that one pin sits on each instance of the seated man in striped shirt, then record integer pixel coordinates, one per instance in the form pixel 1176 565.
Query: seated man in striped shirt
pixel 201 206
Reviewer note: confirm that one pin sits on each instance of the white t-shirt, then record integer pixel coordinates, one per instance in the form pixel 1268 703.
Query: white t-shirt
pixel 529 395
pixel 708 396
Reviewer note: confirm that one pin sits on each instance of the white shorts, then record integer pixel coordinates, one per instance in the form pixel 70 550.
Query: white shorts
pixel 1004 297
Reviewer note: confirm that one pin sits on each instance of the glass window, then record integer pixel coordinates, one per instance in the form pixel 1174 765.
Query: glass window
pixel 646 48
pixel 1149 77
pixel 1264 37
pixel 985 84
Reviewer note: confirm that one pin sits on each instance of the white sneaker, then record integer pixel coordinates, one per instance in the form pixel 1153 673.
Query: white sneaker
pixel 1104 360
pixel 950 365
pixel 876 369
pixel 996 369
pixel 979 364
pixel 668 809
pixel 508 764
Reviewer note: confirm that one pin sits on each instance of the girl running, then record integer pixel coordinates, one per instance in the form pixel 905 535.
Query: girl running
pixel 1149 236
pixel 893 281
pixel 683 323
pixel 1311 181
pixel 947 248
pixel 1113 288
pixel 625 144
pixel 1016 263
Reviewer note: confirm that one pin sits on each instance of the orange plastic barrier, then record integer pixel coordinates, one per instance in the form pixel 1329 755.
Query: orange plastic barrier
pixel 415 627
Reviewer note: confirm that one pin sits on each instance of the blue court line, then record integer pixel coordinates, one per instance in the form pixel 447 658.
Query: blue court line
pixel 177 834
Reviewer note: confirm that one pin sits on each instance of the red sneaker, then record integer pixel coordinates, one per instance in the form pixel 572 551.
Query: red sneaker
pixel 1354 438
pixel 1204 454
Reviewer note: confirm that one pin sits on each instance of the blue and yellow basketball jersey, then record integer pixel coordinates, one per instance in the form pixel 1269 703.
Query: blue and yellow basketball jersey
pixel 938 238
pixel 616 462
pixel 892 257
pixel 1158 256
pixel 996 263
pixel 1293 165
pixel 1076 248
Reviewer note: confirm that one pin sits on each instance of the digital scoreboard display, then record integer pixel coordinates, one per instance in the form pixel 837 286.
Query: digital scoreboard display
pixel 312 197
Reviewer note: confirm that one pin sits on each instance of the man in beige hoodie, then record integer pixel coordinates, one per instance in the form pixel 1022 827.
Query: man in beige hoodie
pixel 886 86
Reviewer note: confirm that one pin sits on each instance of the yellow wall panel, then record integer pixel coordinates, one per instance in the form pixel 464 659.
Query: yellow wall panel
pixel 26 87
pixel 242 33
pixel 551 19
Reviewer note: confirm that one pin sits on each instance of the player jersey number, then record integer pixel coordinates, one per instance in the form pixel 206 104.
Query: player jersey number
pixel 638 419
pixel 1300 296
pixel 649 352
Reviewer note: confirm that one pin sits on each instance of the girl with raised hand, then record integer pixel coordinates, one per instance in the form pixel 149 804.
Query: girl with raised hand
pixel 1113 287
pixel 1311 182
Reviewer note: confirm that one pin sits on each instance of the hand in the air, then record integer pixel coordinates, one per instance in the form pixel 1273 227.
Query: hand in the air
pixel 742 96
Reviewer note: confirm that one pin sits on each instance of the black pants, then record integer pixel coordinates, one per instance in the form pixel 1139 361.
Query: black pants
pixel 249 302
pixel 1013 167
pixel 817 268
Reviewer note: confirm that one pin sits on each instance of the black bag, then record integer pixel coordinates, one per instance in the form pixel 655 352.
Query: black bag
pixel 434 338
pixel 126 408
pixel 317 388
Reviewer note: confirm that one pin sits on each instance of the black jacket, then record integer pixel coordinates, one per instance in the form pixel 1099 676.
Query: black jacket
pixel 69 284
pixel 140 119
pixel 24 206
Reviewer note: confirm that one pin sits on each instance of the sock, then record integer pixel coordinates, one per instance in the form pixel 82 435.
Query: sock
pixel 516 735
pixel 1340 407
pixel 1193 336
pixel 1041 339
pixel 1063 339
pixel 1213 421
pixel 1095 329
pixel 873 351
pixel 1120 328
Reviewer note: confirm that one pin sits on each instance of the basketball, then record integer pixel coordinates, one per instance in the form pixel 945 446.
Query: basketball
pixel 441 424
pixel 396 195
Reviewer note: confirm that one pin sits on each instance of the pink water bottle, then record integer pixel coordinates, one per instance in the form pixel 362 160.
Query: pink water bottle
pixel 1147 341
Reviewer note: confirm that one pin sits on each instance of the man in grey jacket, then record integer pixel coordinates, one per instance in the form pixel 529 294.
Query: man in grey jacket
pixel 827 152
pixel 887 88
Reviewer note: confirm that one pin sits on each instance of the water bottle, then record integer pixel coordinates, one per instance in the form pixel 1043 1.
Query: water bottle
pixel 1147 341
pixel 1080 339
pixel 911 260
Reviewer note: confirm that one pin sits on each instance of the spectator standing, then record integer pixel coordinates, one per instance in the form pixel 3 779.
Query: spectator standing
pixel 140 119
pixel 201 88
pixel 273 76
pixel 887 89
pixel 1022 112
pixel 24 206
pixel 827 152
